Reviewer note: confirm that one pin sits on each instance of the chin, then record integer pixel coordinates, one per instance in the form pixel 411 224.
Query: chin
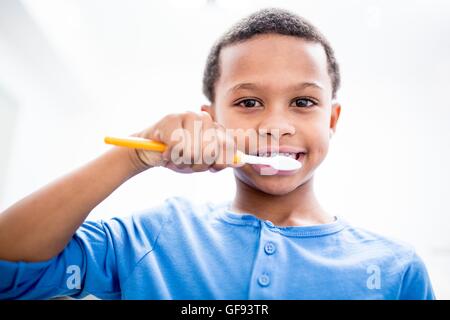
pixel 276 185
pixel 276 190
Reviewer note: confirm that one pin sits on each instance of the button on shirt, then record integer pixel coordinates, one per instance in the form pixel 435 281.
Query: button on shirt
pixel 269 247
pixel 181 250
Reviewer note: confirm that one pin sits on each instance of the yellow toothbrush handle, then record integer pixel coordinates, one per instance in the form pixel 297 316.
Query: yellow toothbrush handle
pixel 147 144
pixel 136 143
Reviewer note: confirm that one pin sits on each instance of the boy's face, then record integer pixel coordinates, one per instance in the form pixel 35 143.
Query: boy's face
pixel 281 84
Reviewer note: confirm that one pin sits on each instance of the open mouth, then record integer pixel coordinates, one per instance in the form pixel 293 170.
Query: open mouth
pixel 267 170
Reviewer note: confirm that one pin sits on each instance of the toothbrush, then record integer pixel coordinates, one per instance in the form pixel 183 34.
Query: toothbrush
pixel 277 162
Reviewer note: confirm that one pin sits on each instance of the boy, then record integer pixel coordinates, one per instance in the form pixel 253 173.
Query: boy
pixel 272 74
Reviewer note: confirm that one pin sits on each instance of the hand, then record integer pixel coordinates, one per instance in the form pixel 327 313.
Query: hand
pixel 195 143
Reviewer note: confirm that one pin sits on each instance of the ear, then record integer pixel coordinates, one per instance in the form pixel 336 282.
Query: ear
pixel 209 109
pixel 335 112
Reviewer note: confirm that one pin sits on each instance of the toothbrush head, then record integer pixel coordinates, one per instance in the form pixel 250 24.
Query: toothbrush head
pixel 283 163
pixel 278 162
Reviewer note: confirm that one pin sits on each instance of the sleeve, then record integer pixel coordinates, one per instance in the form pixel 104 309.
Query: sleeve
pixel 416 284
pixel 86 266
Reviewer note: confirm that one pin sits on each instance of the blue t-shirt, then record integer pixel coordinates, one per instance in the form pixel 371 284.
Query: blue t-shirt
pixel 181 250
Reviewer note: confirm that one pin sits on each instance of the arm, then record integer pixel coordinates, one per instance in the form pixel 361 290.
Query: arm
pixel 39 226
pixel 416 284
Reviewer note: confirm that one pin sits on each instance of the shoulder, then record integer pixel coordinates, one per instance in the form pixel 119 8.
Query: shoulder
pixel 392 257
pixel 175 209
pixel 146 225
pixel 376 243
pixel 390 254
pixel 137 234
pixel 376 250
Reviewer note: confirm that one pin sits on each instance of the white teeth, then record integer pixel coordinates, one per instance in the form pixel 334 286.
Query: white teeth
pixel 286 154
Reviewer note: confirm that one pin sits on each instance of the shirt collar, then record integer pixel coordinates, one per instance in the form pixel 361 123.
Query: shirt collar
pixel 248 219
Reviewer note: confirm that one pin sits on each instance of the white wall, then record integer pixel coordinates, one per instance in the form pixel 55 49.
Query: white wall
pixel 79 70
pixel 8 119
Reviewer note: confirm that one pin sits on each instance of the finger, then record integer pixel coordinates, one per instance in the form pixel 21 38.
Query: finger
pixel 162 132
pixel 192 124
pixel 210 143
pixel 179 155
pixel 226 149
pixel 179 168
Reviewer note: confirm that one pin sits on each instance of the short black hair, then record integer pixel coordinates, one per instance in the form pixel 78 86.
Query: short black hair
pixel 266 21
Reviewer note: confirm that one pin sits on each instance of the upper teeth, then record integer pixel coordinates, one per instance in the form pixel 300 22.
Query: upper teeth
pixel 286 154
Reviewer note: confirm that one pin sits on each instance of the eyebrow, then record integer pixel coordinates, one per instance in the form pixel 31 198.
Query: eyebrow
pixel 298 86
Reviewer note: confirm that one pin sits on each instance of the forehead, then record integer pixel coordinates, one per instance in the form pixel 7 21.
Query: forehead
pixel 273 60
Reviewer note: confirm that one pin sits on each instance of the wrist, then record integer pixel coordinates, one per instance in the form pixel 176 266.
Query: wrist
pixel 128 160
pixel 137 164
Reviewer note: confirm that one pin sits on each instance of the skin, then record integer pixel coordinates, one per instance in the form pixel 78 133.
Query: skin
pixel 278 70
pixel 39 226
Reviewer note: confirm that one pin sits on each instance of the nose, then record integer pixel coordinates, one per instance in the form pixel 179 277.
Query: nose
pixel 276 124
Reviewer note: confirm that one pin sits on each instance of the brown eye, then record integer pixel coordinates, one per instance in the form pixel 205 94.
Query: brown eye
pixel 249 103
pixel 304 103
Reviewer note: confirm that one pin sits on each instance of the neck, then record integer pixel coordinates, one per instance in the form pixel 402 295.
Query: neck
pixel 296 208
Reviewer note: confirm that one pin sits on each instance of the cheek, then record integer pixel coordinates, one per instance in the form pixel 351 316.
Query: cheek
pixel 225 117
pixel 223 111
pixel 318 142
pixel 242 128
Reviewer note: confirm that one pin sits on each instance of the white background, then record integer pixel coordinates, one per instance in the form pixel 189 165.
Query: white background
pixel 72 72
